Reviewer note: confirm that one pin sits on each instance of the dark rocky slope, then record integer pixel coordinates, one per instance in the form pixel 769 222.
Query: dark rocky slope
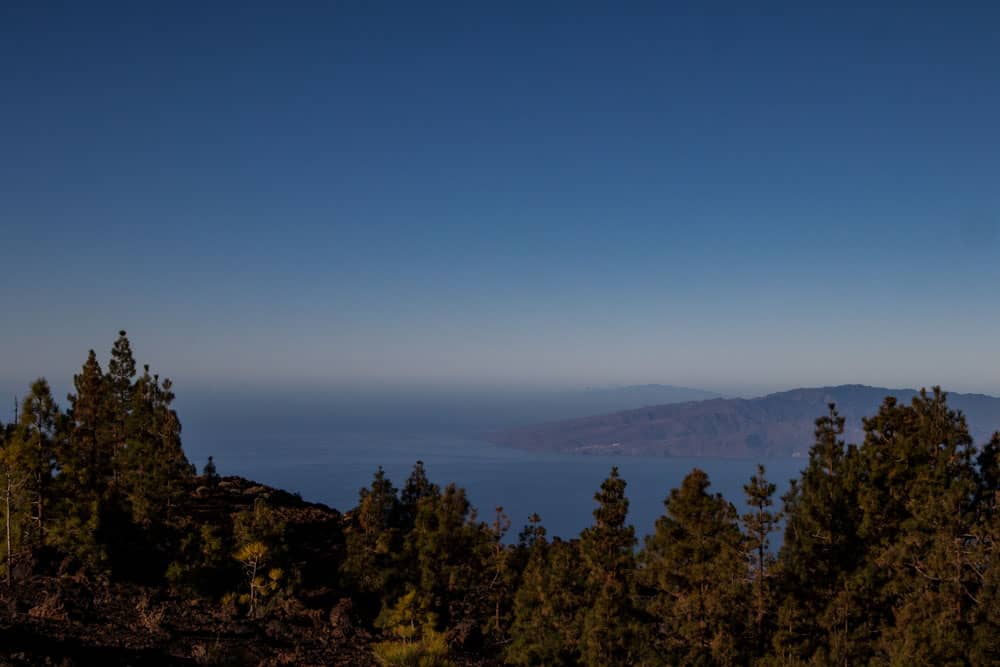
pixel 60 617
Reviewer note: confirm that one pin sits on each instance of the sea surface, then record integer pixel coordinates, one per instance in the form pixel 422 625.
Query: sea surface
pixel 331 464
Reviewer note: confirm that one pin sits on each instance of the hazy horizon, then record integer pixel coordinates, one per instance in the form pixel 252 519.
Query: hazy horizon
pixel 467 408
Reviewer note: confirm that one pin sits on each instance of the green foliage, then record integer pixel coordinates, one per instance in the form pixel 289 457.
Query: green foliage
pixel 85 468
pixel 545 630
pixel 428 541
pixel 417 487
pixel 988 463
pixel 14 481
pixel 41 429
pixel 153 472
pixel 886 554
pixel 821 546
pixel 28 461
pixel 607 620
pixel 758 524
pixel 201 566
pixel 502 567
pixel 918 497
pixel 262 581
pixel 415 641
pixel 86 462
pixel 694 567
pixel 121 371
pixel 984 645
pixel 259 535
pixel 374 540
pixel 449 547
pixel 431 651
pixel 262 524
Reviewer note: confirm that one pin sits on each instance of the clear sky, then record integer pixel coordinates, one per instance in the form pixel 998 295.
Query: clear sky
pixel 723 195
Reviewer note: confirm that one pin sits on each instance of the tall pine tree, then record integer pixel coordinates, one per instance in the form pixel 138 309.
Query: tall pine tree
pixel 552 590
pixel 821 549
pixel 694 565
pixel 121 371
pixel 919 519
pixel 87 458
pixel 85 466
pixel 155 473
pixel 758 524
pixel 15 477
pixel 374 543
pixel 985 560
pixel 41 428
pixel 608 619
pixel 417 486
pixel 450 550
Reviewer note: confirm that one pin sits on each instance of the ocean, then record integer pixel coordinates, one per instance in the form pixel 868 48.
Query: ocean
pixel 328 453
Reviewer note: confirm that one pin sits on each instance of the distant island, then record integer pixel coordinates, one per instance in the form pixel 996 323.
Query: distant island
pixel 776 425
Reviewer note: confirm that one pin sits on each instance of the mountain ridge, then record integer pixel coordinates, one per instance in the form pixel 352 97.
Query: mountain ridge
pixel 779 424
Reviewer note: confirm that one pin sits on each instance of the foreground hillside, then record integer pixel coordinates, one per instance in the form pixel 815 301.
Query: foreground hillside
pixel 55 612
pixel 778 424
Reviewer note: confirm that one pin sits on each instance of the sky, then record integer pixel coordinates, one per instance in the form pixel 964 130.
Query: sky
pixel 733 196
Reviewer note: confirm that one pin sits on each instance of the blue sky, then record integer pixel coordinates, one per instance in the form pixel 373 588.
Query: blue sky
pixel 362 193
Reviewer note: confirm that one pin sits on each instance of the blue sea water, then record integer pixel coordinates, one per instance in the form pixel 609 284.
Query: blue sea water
pixel 332 465
pixel 327 446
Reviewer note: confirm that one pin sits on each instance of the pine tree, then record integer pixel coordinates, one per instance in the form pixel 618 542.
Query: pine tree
pixel 87 460
pixel 202 563
pixel 501 564
pixel 545 628
pixel 533 533
pixel 695 567
pixel 607 620
pixel 988 463
pixel 40 430
pixel 417 486
pixel 919 523
pixel 155 473
pixel 261 548
pixel 448 546
pixel 209 472
pixel 121 371
pixel 758 524
pixel 174 469
pixel 821 549
pixel 373 539
pixel 85 467
pixel 14 477
pixel 984 559
pixel 415 639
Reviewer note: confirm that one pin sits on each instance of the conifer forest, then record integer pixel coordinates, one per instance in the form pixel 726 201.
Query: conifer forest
pixel 116 549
